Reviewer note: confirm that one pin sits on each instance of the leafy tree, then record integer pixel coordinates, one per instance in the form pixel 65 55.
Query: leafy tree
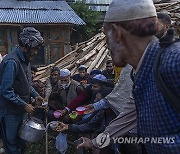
pixel 90 17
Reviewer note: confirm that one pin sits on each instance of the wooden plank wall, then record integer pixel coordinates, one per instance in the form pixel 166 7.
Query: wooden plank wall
pixel 59 38
pixel 56 40
pixel 3 41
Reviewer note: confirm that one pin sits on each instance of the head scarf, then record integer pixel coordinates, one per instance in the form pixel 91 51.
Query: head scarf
pixel 31 37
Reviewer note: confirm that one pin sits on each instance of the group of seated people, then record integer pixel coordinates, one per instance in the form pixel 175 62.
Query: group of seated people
pixel 64 93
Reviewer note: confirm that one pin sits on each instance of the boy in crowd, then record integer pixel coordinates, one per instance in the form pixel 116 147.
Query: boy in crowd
pixel 82 76
pixel 51 82
pixel 37 84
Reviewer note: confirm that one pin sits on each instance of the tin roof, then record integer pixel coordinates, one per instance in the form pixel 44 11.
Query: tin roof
pixel 38 12
pixel 99 1
pixel 98 5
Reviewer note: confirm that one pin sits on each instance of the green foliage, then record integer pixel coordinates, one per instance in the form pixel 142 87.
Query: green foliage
pixel 90 17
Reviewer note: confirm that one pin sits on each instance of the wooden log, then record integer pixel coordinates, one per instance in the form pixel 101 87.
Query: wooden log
pixel 92 47
pixel 103 44
pixel 169 5
pixel 102 66
pixel 96 60
pixel 176 15
pixel 70 66
pixel 174 9
pixel 93 52
pixel 73 70
pixel 71 54
pixel 87 47
pixel 43 79
pixel 80 49
pixel 102 58
pixel 45 67
pixel 90 44
pixel 98 36
pixel 42 75
pixel 40 72
pixel 65 61
pixel 165 4
pixel 92 41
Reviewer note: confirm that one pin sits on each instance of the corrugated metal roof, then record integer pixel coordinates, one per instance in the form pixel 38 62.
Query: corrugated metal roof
pixel 99 8
pixel 98 1
pixel 95 3
pixel 38 12
pixel 52 5
pixel 21 16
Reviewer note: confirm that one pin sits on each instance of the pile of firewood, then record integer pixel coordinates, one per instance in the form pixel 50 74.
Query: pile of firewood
pixel 92 53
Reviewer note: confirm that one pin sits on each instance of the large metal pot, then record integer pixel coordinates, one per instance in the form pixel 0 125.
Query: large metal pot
pixel 32 130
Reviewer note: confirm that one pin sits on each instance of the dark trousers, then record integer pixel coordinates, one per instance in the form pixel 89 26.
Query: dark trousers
pixel 9 127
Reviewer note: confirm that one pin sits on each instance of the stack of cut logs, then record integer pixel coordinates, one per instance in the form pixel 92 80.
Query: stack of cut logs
pixel 93 53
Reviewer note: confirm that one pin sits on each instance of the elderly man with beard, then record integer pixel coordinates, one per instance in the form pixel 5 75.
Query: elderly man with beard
pixel 16 89
pixel 64 91
pixel 130 27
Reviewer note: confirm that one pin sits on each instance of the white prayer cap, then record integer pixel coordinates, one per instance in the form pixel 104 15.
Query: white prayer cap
pixel 124 10
pixel 64 72
pixel 82 67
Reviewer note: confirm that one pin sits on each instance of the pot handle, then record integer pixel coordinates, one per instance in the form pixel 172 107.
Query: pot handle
pixel 26 119
pixel 47 126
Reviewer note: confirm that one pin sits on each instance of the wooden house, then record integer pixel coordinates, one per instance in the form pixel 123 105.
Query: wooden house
pixel 54 19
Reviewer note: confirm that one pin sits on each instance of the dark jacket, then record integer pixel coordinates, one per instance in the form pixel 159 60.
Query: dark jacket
pixel 21 85
pixel 168 38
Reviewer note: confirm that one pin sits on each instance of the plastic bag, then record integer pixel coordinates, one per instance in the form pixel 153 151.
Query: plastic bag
pixel 61 143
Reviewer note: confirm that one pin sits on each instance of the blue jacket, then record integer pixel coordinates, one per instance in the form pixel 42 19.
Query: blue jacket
pixel 156 118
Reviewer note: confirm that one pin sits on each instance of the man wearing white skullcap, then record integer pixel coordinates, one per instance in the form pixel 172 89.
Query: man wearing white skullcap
pixel 64 72
pixel 65 91
pixel 127 10
pixel 130 27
